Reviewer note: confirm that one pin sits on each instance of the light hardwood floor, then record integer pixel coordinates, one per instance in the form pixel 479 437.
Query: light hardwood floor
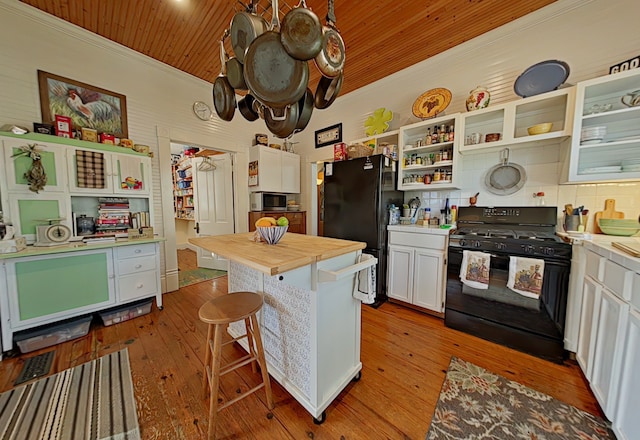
pixel 405 355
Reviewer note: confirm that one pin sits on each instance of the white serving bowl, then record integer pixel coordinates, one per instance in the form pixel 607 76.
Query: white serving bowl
pixel 272 234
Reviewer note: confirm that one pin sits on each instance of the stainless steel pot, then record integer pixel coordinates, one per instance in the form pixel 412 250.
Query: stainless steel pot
pixel 246 26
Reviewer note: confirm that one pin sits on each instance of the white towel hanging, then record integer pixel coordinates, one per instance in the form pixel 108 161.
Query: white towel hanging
pixel 365 288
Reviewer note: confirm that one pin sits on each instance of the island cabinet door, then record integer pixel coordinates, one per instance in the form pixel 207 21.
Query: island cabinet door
pixel 52 287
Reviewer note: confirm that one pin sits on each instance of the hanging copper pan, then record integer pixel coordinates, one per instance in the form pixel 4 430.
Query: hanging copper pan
pixel 330 59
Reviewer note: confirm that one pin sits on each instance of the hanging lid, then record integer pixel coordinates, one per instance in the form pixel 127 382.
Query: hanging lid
pixel 541 78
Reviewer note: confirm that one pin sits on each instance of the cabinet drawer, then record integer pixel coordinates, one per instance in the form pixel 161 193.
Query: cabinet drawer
pixel 295 218
pixel 594 265
pixel 618 279
pixel 135 265
pixel 137 285
pixel 136 250
pixel 437 242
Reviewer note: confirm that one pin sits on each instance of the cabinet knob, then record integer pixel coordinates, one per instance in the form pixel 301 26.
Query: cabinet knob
pixel 138 266
pixel 137 251
pixel 139 286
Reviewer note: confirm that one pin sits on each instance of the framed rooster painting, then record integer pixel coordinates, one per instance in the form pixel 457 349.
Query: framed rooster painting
pixel 87 106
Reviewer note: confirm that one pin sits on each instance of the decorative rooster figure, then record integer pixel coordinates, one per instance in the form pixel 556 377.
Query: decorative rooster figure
pixel 35 175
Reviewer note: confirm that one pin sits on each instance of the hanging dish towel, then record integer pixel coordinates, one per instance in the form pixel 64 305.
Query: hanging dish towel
pixel 474 270
pixel 365 290
pixel 90 169
pixel 525 276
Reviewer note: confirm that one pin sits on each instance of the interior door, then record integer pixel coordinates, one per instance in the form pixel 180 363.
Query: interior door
pixel 213 203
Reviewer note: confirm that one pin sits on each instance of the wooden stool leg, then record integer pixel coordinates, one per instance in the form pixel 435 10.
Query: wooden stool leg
pixel 207 361
pixel 252 350
pixel 215 380
pixel 262 361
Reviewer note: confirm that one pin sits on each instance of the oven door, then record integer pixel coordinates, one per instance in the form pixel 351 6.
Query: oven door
pixel 544 315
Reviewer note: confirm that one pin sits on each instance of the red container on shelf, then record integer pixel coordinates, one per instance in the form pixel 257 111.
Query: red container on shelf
pixel 107 138
pixel 340 152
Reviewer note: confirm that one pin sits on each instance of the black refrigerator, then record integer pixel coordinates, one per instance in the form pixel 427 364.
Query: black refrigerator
pixel 357 195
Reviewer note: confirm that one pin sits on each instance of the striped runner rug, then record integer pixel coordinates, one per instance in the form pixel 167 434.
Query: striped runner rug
pixel 91 401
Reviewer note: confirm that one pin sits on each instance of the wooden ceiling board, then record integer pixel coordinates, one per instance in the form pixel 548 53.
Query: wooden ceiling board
pixel 381 37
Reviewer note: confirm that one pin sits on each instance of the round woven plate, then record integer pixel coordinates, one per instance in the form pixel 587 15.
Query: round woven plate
pixel 431 102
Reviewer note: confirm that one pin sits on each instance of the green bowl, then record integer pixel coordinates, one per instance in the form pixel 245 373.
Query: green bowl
pixel 621 227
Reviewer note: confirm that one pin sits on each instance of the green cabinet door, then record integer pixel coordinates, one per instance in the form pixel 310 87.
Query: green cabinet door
pixel 51 285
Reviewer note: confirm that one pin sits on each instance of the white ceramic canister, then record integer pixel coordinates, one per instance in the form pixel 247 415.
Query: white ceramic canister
pixel 478 98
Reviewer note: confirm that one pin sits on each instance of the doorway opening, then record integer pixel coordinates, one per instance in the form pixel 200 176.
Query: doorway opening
pixel 203 205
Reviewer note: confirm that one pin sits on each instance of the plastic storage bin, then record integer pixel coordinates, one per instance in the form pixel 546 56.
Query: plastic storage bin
pixel 46 336
pixel 126 312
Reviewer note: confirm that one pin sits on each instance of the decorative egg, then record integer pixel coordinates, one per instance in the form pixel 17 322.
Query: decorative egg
pixel 478 98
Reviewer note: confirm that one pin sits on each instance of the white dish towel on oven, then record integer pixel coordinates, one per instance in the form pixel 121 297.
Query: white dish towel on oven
pixel 526 276
pixel 474 270
pixel 365 289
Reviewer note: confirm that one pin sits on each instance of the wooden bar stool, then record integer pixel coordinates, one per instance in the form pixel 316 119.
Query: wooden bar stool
pixel 219 313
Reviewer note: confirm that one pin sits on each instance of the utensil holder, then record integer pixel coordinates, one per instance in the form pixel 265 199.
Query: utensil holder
pixel 571 222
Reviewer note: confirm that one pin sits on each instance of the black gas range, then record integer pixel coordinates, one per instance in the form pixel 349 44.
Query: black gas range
pixel 533 324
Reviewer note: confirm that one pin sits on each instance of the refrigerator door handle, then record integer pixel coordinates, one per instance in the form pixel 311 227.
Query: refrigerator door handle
pixel 325 276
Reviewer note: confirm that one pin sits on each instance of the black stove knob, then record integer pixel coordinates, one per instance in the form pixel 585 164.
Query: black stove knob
pixel 462 242
pixel 477 244
pixel 528 248
pixel 548 251
pixel 501 246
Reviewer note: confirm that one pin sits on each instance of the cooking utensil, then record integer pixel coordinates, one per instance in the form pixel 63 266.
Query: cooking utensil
pixel 274 77
pixel 630 248
pixel 283 123
pixel 541 77
pixel 608 212
pixel 330 59
pixel 431 102
pixel 246 26
pixel 235 74
pixel 301 33
pixel 305 109
pixel 327 91
pixel 505 178
pixel 224 97
pixel 247 109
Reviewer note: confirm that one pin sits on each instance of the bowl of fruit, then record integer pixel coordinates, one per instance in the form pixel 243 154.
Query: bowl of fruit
pixel 271 230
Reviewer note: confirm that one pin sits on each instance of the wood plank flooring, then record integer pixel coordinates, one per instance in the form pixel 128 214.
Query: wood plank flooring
pixel 405 355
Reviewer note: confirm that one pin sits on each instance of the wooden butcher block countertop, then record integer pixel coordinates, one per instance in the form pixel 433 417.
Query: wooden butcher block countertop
pixel 291 252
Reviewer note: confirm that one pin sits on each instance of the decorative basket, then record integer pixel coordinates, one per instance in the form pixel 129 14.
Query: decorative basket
pixel 359 150
pixel 271 234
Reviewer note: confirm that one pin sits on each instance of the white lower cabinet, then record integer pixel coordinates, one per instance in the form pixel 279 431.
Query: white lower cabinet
pixel 137 271
pixel 607 355
pixel 626 424
pixel 588 324
pixel 608 348
pixel 416 271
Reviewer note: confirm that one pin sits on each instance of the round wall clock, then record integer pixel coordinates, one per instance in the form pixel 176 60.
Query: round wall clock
pixel 202 110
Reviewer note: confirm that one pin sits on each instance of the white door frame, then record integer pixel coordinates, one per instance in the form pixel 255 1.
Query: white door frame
pixel 165 136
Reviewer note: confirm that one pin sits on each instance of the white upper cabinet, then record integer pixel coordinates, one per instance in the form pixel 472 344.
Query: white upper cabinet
pixel 610 147
pixel 512 120
pixel 277 171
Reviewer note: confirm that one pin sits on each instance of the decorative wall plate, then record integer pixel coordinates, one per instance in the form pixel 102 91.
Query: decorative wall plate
pixel 378 123
pixel 431 102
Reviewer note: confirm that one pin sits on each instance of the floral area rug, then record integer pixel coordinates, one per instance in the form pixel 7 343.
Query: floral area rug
pixel 188 277
pixel 477 404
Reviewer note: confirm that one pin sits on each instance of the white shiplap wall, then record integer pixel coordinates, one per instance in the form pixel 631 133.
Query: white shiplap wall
pixel 589 35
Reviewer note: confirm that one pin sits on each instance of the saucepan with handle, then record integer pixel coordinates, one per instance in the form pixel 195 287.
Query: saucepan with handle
pixel 224 97
pixel 246 26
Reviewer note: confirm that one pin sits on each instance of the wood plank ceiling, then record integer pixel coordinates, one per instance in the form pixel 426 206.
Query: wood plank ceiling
pixel 381 37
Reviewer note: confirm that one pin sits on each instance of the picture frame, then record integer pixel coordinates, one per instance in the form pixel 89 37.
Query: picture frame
pixel 328 136
pixel 88 106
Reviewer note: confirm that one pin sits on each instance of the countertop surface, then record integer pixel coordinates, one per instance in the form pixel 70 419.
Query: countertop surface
pixel 434 230
pixel 291 252
pixel 31 251
pixel 601 244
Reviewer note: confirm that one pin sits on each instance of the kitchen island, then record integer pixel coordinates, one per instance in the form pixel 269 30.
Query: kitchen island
pixel 310 322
